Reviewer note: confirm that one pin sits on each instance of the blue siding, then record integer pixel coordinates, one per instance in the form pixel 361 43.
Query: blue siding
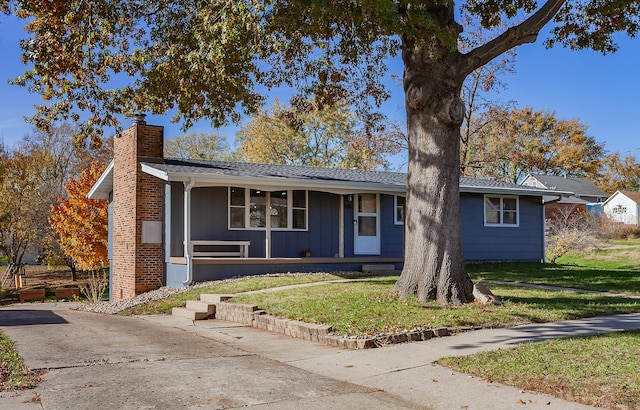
pixel 391 235
pixel 492 243
pixel 176 275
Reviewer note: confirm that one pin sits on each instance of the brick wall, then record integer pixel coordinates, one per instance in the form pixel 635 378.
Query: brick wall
pixel 136 267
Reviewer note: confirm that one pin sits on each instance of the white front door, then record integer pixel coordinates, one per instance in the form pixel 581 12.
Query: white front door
pixel 367 224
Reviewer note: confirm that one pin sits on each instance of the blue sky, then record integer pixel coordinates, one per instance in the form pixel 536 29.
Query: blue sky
pixel 601 91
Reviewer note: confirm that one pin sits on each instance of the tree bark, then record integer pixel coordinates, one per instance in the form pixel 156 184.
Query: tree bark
pixel 434 267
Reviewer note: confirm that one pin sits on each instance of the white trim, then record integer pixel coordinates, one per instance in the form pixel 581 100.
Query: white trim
pixel 501 224
pixel 267 225
pixel 341 228
pixel 104 185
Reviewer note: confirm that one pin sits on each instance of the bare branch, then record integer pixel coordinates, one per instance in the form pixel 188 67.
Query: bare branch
pixel 525 32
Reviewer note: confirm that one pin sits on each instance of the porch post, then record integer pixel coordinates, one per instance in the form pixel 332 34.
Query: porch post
pixel 267 231
pixel 341 228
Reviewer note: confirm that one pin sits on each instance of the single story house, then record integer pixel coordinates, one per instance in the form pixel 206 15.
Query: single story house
pixel 173 222
pixel 586 195
pixel 623 207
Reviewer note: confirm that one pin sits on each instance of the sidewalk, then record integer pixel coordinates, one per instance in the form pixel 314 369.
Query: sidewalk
pixel 407 370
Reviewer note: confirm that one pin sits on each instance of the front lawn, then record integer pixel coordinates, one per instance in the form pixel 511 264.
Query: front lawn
pixel 610 270
pixel 369 308
pixel 601 371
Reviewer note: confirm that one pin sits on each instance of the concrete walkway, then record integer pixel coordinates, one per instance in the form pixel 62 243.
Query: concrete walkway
pixel 100 361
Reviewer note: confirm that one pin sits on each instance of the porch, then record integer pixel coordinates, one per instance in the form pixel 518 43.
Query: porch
pixel 215 268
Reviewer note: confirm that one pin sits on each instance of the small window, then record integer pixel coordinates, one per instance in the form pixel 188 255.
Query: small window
pixel 399 208
pixel 501 211
pixel 619 210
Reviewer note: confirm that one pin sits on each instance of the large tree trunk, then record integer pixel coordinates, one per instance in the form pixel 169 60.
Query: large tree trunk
pixel 434 267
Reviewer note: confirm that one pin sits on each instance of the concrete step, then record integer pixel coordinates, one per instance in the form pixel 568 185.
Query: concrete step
pixel 199 306
pixel 214 298
pixel 189 314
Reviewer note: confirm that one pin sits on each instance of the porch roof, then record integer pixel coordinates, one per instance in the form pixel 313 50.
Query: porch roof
pixel 266 176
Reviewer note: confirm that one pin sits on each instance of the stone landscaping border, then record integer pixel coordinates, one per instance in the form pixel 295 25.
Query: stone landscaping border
pixel 252 315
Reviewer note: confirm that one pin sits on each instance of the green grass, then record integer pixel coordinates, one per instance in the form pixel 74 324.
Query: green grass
pixel 226 287
pixel 369 307
pixel 600 371
pixel 13 373
pixel 574 271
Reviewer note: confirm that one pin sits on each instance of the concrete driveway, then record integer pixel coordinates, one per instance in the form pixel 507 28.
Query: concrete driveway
pixel 111 362
pixel 163 362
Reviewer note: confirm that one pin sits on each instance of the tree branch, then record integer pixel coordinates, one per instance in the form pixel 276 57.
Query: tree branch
pixel 525 32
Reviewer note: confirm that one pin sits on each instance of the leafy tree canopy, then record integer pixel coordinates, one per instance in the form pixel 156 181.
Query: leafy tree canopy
pixel 202 145
pixel 522 140
pixel 318 136
pixel 211 59
pixel 81 224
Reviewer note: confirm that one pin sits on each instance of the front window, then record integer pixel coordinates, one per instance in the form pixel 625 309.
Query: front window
pixel 501 210
pixel 279 209
pixel 258 208
pixel 287 209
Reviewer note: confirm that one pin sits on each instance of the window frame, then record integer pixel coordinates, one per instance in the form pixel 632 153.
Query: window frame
pixel 247 211
pixel 396 221
pixel 501 211
pixel 619 210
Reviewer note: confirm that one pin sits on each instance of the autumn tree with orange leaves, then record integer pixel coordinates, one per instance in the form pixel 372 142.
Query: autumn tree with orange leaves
pixel 82 223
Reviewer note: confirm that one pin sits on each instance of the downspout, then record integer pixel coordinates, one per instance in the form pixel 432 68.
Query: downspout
pixel 267 229
pixel 187 230
pixel 544 230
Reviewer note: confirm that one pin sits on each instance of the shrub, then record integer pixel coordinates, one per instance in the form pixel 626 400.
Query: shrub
pixel 609 229
pixel 569 230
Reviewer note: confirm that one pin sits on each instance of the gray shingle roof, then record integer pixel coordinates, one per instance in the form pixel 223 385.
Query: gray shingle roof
pixel 580 186
pixel 243 169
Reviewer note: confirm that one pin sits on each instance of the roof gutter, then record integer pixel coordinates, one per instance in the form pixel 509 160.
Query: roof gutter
pixel 332 186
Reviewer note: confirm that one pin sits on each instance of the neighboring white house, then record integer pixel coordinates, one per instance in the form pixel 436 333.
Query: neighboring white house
pixel 624 207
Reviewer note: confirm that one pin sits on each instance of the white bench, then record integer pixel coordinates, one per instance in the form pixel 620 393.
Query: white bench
pixel 242 252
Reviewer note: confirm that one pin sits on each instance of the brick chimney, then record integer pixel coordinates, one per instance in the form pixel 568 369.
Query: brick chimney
pixel 137 260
